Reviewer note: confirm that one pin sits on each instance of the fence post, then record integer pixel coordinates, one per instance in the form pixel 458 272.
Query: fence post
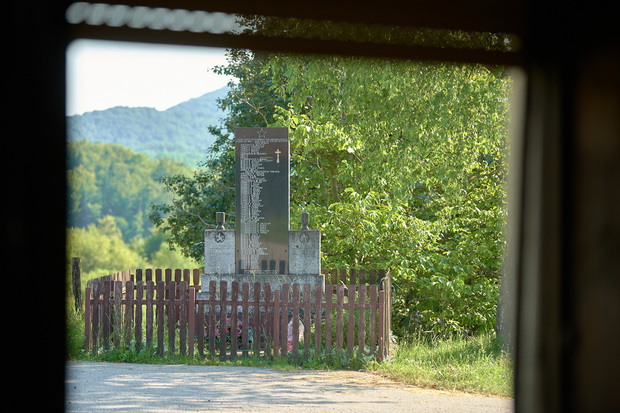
pixel 350 320
pixel 276 322
pixel 295 322
pixel 87 319
pixel 76 281
pixel 183 318
pixel 381 325
pixel 172 291
pixel 161 293
pixel 138 317
pixel 223 314
pixel 318 297
pixel 191 320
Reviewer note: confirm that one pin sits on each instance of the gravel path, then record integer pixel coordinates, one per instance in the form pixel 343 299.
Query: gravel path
pixel 120 387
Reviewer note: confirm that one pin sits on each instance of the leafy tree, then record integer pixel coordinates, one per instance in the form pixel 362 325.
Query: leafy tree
pixel 111 180
pixel 400 164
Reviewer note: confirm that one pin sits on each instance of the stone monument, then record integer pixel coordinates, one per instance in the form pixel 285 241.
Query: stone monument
pixel 262 248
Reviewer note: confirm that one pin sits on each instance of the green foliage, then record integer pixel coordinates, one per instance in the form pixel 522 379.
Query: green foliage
pixel 111 180
pixel 179 133
pixel 473 365
pixel 400 164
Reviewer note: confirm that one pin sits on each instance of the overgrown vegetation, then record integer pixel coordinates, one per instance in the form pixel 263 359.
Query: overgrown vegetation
pixel 476 364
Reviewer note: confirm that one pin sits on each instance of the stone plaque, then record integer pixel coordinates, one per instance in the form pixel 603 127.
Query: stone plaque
pixel 262 200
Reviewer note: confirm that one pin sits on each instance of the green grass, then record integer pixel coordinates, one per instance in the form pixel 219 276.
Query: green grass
pixel 476 365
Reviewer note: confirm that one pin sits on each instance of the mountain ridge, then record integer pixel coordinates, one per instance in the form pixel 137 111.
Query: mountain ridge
pixel 179 132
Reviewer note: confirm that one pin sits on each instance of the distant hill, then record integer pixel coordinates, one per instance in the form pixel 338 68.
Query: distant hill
pixel 179 133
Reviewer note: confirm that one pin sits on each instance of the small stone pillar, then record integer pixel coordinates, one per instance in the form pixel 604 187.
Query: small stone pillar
pixel 220 248
pixel 304 249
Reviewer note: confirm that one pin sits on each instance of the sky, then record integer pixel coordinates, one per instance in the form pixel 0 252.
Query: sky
pixel 105 74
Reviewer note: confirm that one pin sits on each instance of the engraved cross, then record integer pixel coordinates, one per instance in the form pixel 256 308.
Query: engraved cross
pixel 278 152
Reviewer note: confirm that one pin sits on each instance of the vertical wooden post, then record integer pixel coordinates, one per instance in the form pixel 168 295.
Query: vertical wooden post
pixel 268 329
pixel 361 326
pixel 149 310
pixel 128 311
pixel 161 293
pixel 234 296
pixel 212 320
pixel 87 324
pixel 372 325
pixel 200 328
pixel 172 292
pixel 95 317
pixel 329 294
pixel 284 321
pixel 76 281
pixel 183 318
pixel 381 325
pixel 318 314
pixel 138 319
pixel 223 314
pixel 350 320
pixel 295 323
pixel 245 319
pixel 106 314
pixel 276 322
pixel 307 329
pixel 118 313
pixel 191 320
pixel 339 318
pixel 257 323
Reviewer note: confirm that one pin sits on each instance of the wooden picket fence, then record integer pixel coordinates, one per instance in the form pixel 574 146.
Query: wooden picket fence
pixel 168 315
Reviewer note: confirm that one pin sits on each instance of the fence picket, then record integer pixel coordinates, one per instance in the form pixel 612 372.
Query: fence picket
pixel 373 319
pixel 339 318
pixel 149 309
pixel 381 325
pixel 212 320
pixel 138 316
pixel 183 318
pixel 257 319
pixel 295 322
pixel 118 312
pixel 172 291
pixel 276 322
pixel 95 318
pixel 268 321
pixel 106 315
pixel 222 328
pixel 284 321
pixel 191 320
pixel 318 323
pixel 350 319
pixel 361 325
pixel 201 328
pixel 329 293
pixel 307 329
pixel 161 293
pixel 87 313
pixel 128 311
pixel 234 295
pixel 245 319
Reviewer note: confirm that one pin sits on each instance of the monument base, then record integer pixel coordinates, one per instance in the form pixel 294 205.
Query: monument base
pixel 276 281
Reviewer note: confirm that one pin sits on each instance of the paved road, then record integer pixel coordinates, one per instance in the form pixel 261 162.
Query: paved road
pixel 120 387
